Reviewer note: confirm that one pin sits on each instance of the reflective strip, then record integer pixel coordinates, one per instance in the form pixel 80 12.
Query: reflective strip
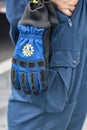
pixel 41 63
pixel 23 81
pixel 13 77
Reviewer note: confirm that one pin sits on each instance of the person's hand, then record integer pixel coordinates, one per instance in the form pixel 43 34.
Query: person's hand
pixel 66 6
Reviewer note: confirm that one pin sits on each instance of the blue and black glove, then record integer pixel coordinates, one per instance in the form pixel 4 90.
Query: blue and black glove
pixel 31 56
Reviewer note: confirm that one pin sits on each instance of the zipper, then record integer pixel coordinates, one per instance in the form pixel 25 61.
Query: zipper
pixel 70 22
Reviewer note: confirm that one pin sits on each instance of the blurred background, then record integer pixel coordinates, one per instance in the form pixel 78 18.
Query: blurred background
pixel 6 50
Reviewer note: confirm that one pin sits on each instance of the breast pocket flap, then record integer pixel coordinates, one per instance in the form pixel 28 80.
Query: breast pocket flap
pixel 65 59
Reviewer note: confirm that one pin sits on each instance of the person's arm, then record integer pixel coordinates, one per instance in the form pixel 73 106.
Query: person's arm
pixel 66 6
pixel 14 11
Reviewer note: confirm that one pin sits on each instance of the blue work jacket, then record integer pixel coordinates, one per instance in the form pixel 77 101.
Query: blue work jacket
pixel 66 66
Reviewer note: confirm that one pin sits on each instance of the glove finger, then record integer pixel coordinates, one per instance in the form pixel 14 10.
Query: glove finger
pixel 23 82
pixel 42 80
pixel 33 83
pixel 14 78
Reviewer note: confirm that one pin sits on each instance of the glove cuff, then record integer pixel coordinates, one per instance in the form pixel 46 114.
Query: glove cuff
pixel 35 16
pixel 52 12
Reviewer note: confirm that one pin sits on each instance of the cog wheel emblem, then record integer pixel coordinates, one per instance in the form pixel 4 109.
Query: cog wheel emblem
pixel 28 50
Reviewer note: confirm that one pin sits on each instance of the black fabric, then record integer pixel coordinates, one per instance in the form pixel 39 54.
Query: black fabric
pixel 23 78
pixel 43 80
pixel 13 74
pixel 36 17
pixel 44 87
pixel 42 76
pixel 41 63
pixel 32 80
pixel 35 91
pixel 31 64
pixel 22 63
pixel 14 60
pixel 47 38
pixel 32 77
pixel 52 13
pixel 23 82
pixel 13 78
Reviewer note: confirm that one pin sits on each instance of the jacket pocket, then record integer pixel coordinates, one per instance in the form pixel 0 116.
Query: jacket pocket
pixel 62 65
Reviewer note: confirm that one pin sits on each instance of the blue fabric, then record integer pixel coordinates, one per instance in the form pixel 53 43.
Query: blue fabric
pixel 79 114
pixel 67 79
pixel 14 12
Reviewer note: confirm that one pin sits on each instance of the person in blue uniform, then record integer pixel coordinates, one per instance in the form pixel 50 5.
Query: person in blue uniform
pixel 65 106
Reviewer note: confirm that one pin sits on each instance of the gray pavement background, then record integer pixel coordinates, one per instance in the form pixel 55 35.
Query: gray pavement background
pixel 4 95
pixel 6 50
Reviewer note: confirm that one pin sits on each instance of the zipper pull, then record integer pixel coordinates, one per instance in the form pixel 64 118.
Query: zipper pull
pixel 70 22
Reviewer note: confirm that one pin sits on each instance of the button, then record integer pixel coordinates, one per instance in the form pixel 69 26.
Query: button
pixel 74 62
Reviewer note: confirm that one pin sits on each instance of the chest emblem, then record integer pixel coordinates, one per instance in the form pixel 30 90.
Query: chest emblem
pixel 28 50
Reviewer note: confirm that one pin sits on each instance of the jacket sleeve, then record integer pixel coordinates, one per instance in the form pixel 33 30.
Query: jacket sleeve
pixel 14 11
